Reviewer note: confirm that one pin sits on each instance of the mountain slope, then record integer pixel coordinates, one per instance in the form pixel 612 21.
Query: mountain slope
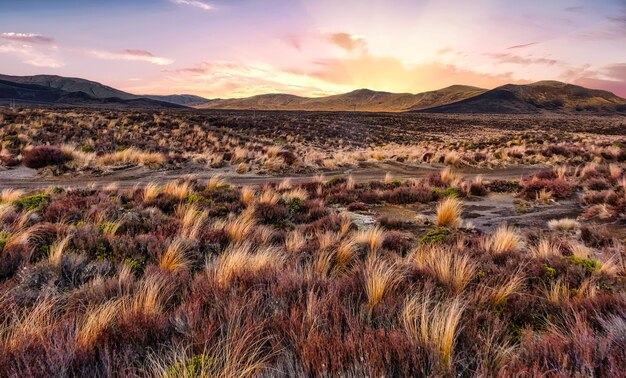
pixel 180 99
pixel 71 84
pixel 25 93
pixel 539 97
pixel 359 100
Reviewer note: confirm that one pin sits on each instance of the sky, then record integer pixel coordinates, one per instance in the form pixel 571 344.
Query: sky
pixel 237 48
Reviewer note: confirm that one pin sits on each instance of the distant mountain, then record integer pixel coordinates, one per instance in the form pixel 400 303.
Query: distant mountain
pixel 26 93
pixel 181 99
pixel 539 97
pixel 71 84
pixel 359 100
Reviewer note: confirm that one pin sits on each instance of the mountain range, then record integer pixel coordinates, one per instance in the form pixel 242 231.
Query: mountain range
pixel 539 97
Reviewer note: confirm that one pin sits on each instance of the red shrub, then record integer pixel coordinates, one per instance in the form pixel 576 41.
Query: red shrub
pixel 43 156
pixel 559 188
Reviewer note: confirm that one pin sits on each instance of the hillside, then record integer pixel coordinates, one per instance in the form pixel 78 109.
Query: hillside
pixel 539 97
pixel 180 99
pixel 71 84
pixel 358 100
pixel 26 93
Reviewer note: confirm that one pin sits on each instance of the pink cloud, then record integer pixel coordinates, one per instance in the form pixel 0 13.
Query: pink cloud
pixel 27 38
pixel 346 41
pixel 194 3
pixel 132 55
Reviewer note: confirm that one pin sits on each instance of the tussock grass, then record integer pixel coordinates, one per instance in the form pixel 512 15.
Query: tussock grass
pixel 95 321
pixel 175 257
pixel 564 224
pixel 505 239
pixel 151 191
pixel 177 190
pixel 269 196
pixel 132 156
pixel 453 269
pixel 241 258
pixel 10 195
pixel 56 251
pixel 544 249
pixel 447 175
pixel 297 193
pixel 449 213
pixel 192 221
pixel 295 241
pixel 248 195
pixel 380 278
pixel 432 324
pixel 237 229
pixel 372 237
pixel 215 182
pixel 150 296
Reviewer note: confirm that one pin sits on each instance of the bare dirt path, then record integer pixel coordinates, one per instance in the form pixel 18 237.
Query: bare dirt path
pixel 24 178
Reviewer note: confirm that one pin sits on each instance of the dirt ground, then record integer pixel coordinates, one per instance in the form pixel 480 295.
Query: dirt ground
pixel 24 178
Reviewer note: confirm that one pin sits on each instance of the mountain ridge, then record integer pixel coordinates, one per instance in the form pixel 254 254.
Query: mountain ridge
pixel 533 98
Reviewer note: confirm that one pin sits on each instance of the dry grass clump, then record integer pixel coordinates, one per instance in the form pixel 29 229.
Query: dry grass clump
pixel 499 294
pixel 150 296
pixel 505 239
pixel 295 241
pixel 248 195
pixel 432 324
pixel 269 196
pixel 241 258
pixel 175 256
pixel 380 278
pixel 176 189
pixel 388 180
pixel 192 221
pixel 452 158
pixel 151 191
pixel 447 175
pixel 372 237
pixel 237 229
pixel 544 249
pixel 238 353
pixel 56 250
pixel 132 156
pixel 453 269
pixel 95 321
pixel 10 195
pixel 564 224
pixel 215 182
pixel 449 213
pixel 297 194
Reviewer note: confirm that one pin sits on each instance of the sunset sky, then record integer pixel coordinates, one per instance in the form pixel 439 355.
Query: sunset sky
pixel 235 48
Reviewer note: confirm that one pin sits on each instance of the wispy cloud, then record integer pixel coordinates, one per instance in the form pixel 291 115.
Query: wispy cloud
pixel 132 55
pixel 31 48
pixel 346 41
pixel 195 3
pixel 31 55
pixel 516 47
pixel 524 60
pixel 27 38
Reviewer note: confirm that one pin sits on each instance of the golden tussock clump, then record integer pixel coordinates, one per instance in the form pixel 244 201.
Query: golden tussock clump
pixel 505 239
pixel 433 324
pixel 372 237
pixel 449 213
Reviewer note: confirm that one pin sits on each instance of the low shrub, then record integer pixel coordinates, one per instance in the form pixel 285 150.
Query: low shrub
pixel 435 235
pixel 504 186
pixel 557 187
pixel 32 202
pixel 43 156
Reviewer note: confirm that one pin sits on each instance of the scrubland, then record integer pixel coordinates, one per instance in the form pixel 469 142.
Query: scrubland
pixel 199 277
